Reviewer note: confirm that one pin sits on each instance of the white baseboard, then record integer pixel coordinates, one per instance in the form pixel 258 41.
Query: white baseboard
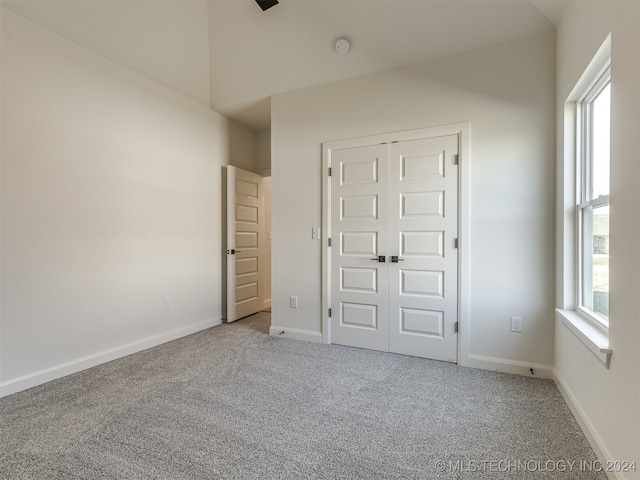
pixel 586 426
pixel 508 366
pixel 43 376
pixel 294 334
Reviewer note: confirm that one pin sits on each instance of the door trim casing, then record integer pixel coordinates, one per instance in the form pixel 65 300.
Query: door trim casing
pixel 462 130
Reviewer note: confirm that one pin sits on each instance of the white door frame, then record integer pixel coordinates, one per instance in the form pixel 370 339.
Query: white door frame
pixel 460 129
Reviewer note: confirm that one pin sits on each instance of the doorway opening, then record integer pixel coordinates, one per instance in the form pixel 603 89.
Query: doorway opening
pixel 246 242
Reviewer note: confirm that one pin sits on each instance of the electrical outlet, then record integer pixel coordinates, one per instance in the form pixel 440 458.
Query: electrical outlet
pixel 516 324
pixel 167 303
pixel 293 302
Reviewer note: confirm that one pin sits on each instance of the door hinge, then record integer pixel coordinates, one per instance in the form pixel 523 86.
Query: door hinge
pixel 329 313
pixel 456 159
pixel 329 239
pixel 455 243
pixel 455 327
pixel 329 171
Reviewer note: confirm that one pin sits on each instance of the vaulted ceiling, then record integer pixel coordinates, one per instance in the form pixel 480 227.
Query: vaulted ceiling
pixel 231 56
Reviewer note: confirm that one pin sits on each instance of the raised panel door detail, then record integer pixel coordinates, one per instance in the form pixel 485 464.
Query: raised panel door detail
pixel 422 283
pixel 246 214
pixel 359 243
pixel 415 321
pixel 394 199
pixel 359 172
pixel 359 207
pixel 420 167
pixel 422 244
pixel 422 204
pixel 246 240
pixel 353 279
pixel 245 266
pixel 247 188
pixel 246 292
pixel 244 219
pixel 359 315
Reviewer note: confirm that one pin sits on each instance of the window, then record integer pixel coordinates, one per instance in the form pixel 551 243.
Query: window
pixel 594 127
pixel 584 207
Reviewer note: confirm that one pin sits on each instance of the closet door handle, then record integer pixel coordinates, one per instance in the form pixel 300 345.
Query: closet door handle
pixel 380 259
pixel 396 259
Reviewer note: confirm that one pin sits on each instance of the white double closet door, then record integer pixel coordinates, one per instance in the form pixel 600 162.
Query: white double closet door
pixel 394 260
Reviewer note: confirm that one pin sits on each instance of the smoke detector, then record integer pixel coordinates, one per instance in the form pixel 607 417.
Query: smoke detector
pixel 342 46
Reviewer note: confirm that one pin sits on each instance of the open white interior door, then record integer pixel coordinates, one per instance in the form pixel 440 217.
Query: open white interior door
pixel 243 243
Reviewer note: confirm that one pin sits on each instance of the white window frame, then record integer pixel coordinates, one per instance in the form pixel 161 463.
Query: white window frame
pixel 585 200
pixel 591 332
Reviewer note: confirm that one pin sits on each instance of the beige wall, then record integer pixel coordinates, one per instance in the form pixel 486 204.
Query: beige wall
pixel 243 147
pixel 607 401
pixel 264 152
pixel 506 93
pixel 110 203
pixel 266 191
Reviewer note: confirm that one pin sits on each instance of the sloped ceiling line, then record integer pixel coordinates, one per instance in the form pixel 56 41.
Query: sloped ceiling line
pixel 231 56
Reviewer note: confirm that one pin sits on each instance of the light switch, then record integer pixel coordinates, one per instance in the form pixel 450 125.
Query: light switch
pixel 315 233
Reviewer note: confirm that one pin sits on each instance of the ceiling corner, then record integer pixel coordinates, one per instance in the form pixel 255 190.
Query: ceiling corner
pixel 550 9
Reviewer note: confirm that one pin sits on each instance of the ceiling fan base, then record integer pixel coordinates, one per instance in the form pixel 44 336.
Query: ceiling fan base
pixel 266 4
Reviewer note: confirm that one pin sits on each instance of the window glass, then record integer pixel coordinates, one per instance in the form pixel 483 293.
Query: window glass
pixel 595 278
pixel 593 204
pixel 600 131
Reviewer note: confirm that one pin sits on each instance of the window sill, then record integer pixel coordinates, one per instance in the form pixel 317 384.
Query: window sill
pixel 594 338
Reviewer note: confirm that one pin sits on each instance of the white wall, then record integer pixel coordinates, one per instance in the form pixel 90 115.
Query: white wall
pixel 507 94
pixel 606 401
pixel 110 202
pixel 150 38
pixel 263 167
